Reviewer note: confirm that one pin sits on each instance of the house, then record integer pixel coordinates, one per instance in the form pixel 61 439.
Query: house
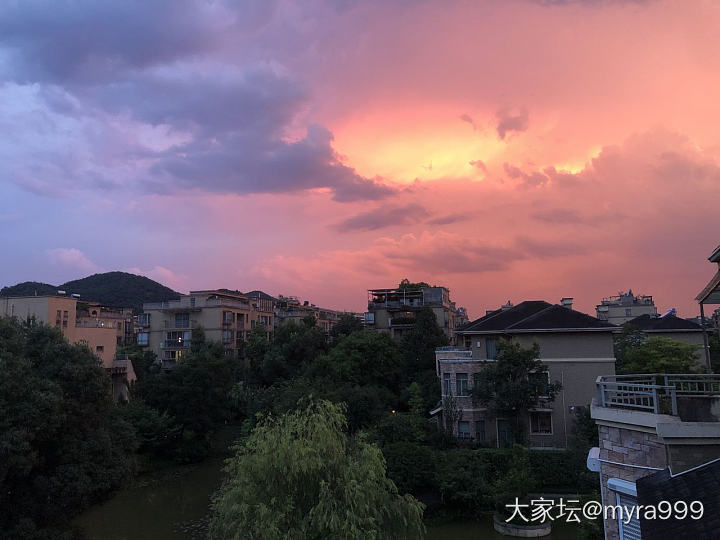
pixel 624 307
pixel 393 310
pixel 575 349
pixel 672 327
pixel 659 439
pixel 710 295
pixel 100 334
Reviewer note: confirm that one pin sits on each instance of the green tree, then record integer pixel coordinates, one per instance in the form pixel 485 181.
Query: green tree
pixel 196 394
pixel 298 476
pixel 63 446
pixel 660 355
pixel 407 285
pixel 346 325
pixel 514 383
pixel 630 338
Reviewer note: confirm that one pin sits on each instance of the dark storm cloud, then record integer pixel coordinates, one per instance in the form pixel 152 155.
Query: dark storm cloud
pixel 509 121
pixel 384 216
pixel 112 72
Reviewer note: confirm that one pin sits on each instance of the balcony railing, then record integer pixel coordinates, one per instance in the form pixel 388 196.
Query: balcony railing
pixel 175 344
pixel 654 392
pixel 180 324
pixel 453 353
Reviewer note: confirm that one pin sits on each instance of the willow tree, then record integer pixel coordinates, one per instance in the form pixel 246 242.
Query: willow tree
pixel 299 476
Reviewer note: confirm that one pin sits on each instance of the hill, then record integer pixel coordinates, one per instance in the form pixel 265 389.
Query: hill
pixel 118 289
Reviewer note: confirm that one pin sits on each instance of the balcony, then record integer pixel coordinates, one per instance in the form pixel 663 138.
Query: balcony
pixel 175 344
pixel 692 397
pixel 180 324
pixel 449 355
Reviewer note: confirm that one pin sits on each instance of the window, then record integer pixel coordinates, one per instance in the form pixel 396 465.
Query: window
pixel 144 319
pixel 100 348
pixel 142 338
pixel 228 336
pixel 540 380
pixel 65 314
pixel 228 317
pixel 461 384
pixel 491 348
pixel 192 301
pixel 182 320
pixel 467 340
pixel 447 389
pixel 480 430
pixel 57 315
pixel 540 423
pixel 64 323
pixel 463 429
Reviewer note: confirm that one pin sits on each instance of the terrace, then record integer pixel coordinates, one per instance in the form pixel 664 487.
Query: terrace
pixel 690 397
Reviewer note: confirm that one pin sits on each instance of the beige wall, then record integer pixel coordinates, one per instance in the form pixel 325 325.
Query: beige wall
pixel 575 359
pixel 102 341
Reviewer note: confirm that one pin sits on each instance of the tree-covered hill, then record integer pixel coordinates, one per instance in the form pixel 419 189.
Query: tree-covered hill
pixel 119 289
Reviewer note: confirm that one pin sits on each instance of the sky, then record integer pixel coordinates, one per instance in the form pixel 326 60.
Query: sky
pixel 506 149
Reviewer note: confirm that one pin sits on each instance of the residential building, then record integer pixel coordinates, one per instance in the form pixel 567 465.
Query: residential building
pixel 61 311
pixel 624 307
pixel 672 327
pixel 265 306
pixel 393 310
pixel 121 319
pixel 225 316
pixel 290 308
pixel 710 295
pixel 575 349
pixel 659 440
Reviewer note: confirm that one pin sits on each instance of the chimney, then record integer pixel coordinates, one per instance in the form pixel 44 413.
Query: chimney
pixel 566 302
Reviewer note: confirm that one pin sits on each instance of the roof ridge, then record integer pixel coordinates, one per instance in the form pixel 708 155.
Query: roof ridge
pixel 534 315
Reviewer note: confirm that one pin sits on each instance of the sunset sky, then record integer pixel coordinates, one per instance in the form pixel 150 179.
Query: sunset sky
pixel 507 149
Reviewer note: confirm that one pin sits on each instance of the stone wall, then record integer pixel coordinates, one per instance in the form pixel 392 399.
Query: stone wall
pixel 632 447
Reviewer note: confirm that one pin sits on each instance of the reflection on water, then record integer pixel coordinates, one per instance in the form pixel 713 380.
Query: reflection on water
pixel 175 506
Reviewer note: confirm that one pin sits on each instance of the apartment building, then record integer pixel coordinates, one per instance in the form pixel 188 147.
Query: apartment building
pixel 225 316
pixel 624 307
pixel 78 326
pixel 659 440
pixel 575 349
pixel 393 310
pixel 290 308
pixel 93 314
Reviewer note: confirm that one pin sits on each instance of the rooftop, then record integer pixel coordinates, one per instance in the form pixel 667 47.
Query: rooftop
pixel 535 315
pixel 667 323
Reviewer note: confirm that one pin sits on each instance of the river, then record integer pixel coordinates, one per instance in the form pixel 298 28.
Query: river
pixel 174 505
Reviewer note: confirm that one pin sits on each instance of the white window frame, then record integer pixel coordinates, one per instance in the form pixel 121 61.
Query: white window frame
pixel 552 430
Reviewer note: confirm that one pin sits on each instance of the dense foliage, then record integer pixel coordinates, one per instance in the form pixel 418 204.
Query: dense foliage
pixel 637 353
pixel 110 288
pixel 514 383
pixel 63 445
pixel 299 476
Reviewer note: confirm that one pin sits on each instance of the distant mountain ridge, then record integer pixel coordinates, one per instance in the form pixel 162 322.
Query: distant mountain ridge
pixel 118 289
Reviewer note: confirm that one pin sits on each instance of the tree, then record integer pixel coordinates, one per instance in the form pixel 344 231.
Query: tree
pixel 346 325
pixel 630 338
pixel 299 476
pixel 407 285
pixel 660 355
pixel 63 446
pixel 514 383
pixel 196 394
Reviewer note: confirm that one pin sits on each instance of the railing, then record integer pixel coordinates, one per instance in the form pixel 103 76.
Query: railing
pixel 450 353
pixel 180 324
pixel 653 392
pixel 174 344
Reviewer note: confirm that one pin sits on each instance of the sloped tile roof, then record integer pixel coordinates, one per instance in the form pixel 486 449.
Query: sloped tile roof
pixel 669 322
pixel 535 315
